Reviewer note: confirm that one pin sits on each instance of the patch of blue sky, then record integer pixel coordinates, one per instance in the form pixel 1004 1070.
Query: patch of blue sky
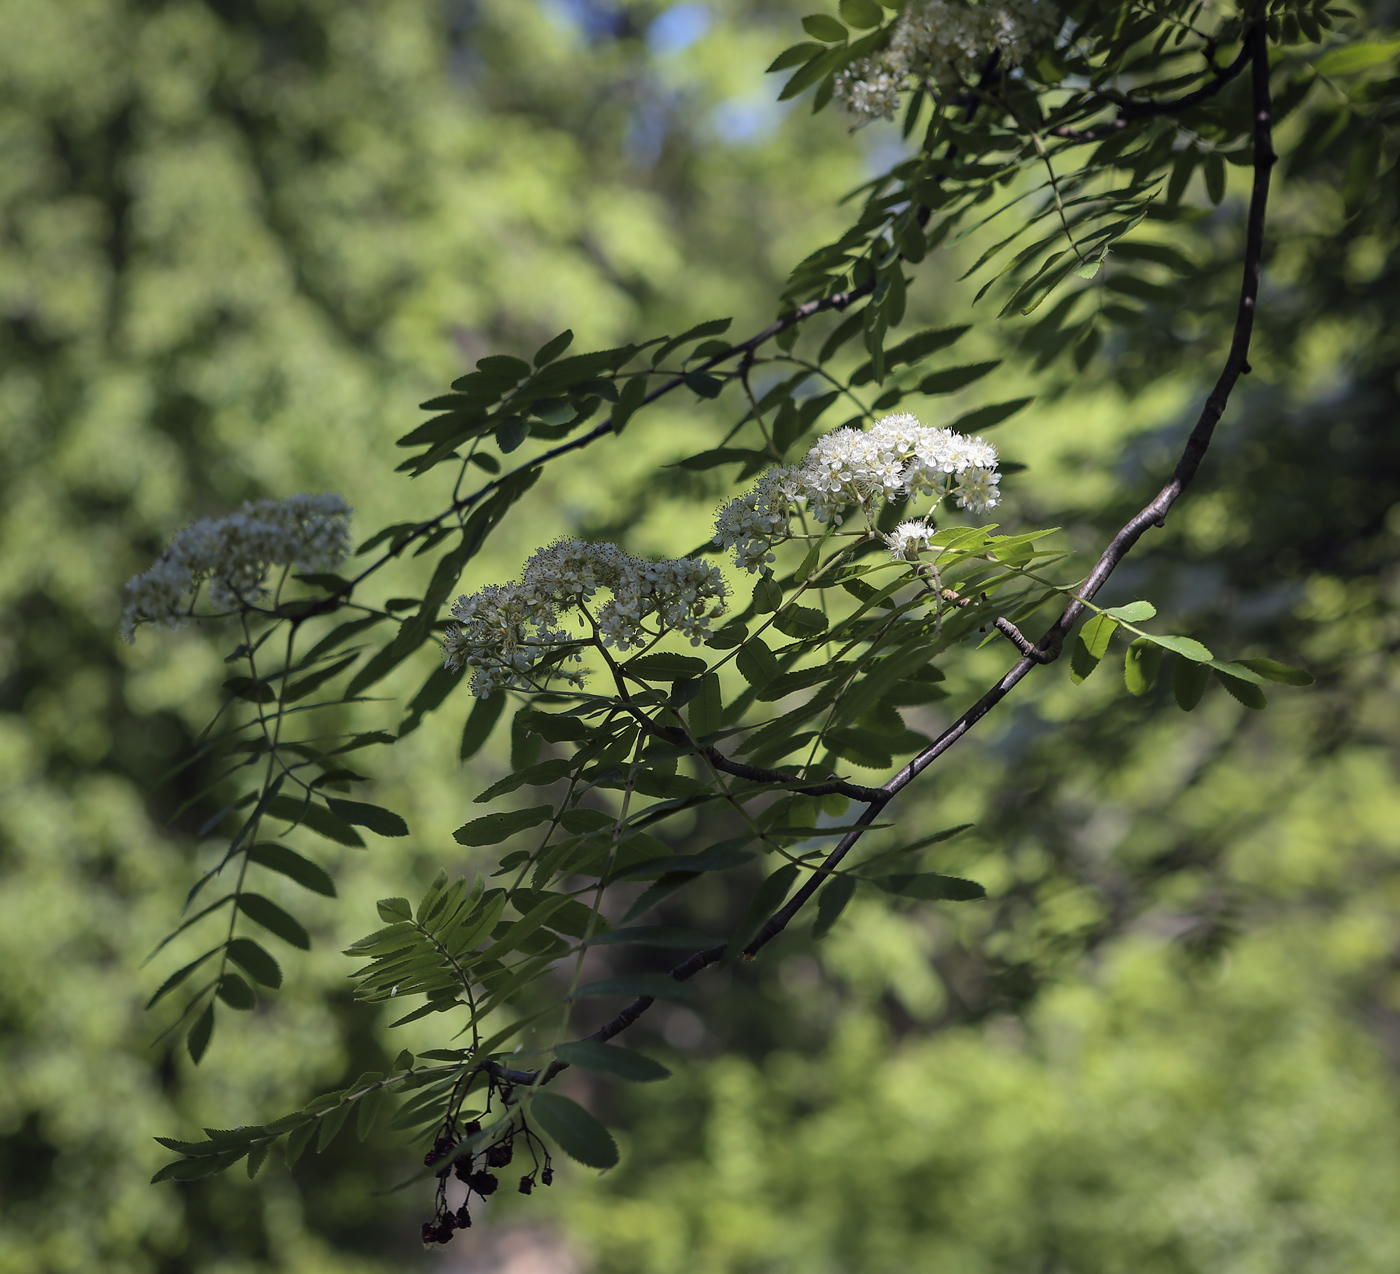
pixel 677 28
pixel 742 121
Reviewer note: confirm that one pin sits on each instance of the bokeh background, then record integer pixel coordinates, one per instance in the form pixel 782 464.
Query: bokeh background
pixel 241 239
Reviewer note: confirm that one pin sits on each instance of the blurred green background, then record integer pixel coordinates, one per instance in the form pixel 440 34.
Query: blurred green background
pixel 241 240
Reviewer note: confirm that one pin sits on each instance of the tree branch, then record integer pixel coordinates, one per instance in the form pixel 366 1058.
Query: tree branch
pixel 1130 110
pixel 1255 52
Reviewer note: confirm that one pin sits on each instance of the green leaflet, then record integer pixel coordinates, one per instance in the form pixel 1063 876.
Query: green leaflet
pixel 319 818
pixel 1140 665
pixel 1189 681
pixel 609 1059
pixel 381 821
pixel 274 919
pixel 577 1132
pixel 535 776
pixel 255 961
pixel 479 724
pixel 236 993
pixel 704 710
pixel 287 862
pixel 663 666
pixel 491 829
pixel 768 898
pixel 831 902
pixel 930 887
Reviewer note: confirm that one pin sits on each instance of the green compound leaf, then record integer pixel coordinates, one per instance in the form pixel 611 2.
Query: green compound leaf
pixel 578 1134
pixel 795 56
pixel 609 1059
pixel 257 1156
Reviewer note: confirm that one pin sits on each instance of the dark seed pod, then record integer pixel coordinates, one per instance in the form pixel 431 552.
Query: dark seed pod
pixel 472 1128
pixel 500 1154
pixel 483 1183
pixel 429 1232
pixel 463 1168
pixel 448 1223
pixel 526 1184
pixel 547 1176
pixel 464 1218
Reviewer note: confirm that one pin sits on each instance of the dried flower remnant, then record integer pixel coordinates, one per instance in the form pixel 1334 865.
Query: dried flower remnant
pixel 943 44
pixel 231 557
pixel 510 635
pixel 849 468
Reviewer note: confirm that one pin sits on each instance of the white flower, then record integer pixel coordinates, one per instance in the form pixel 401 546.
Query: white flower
pixel 504 632
pixel 869 88
pixel 945 43
pixel 850 467
pixel 231 557
pixel 907 539
pixel 752 523
pixel 977 489
pixel 896 457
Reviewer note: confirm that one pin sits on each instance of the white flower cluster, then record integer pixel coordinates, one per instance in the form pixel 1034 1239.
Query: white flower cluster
pixel 504 631
pixel 945 42
pixel 849 468
pixel 908 539
pixel 232 555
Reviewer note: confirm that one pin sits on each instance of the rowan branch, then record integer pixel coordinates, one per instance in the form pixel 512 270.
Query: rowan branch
pixel 1130 110
pixel 1255 52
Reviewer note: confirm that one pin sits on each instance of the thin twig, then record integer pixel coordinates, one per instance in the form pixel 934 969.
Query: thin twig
pixel 1129 110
